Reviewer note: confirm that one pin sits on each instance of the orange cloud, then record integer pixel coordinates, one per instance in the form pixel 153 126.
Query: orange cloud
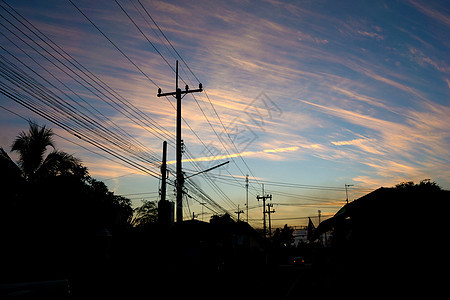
pixel 394 145
pixel 365 144
pixel 246 153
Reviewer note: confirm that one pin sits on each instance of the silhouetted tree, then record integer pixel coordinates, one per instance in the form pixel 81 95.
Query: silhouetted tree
pixel 221 219
pixel 145 214
pixel 283 237
pixel 112 211
pixel 32 146
pixel 51 211
pixel 425 185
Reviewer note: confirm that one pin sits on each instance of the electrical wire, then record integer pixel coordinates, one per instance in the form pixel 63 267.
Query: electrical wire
pixel 198 104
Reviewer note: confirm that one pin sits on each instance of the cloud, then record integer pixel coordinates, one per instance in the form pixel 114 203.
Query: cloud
pixel 259 154
pixel 374 35
pixel 432 13
pixel 419 57
pixel 365 144
pixel 374 182
pixel 366 99
pixel 403 148
pixel 360 108
pixel 386 80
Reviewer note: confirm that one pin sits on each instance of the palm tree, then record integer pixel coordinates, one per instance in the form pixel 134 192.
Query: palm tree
pixel 32 146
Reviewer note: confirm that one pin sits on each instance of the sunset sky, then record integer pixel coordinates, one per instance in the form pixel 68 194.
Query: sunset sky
pixel 303 96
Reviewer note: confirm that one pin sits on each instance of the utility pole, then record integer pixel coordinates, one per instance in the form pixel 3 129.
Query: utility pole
pixel 203 206
pixel 269 211
pixel 165 208
pixel 179 142
pixel 346 193
pixel 164 172
pixel 239 212
pixel 246 199
pixel 263 198
pixel 320 237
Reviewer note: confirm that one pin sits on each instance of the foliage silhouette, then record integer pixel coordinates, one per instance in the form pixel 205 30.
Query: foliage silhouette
pixel 425 185
pixel 52 213
pixel 283 237
pixel 145 214
pixel 221 219
pixel 32 146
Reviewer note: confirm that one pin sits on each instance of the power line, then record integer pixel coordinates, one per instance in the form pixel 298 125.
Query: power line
pixel 213 185
pixel 198 104
pixel 70 141
pixel 29 85
pixel 112 43
pixel 143 34
pixel 62 113
pixel 72 110
pixel 65 57
pixel 297 218
pixel 165 37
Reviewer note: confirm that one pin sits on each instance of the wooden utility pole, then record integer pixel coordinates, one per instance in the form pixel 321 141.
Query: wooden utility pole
pixel 165 208
pixel 246 199
pixel 239 212
pixel 179 145
pixel 263 198
pixel 203 206
pixel 164 172
pixel 320 236
pixel 270 211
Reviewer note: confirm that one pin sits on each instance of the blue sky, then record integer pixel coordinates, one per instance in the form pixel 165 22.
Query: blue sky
pixel 315 93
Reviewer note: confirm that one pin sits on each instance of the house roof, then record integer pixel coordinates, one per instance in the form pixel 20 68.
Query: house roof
pixel 389 204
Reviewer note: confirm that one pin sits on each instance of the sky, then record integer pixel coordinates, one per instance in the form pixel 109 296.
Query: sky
pixel 303 96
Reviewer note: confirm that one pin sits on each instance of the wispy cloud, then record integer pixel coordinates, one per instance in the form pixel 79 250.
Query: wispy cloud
pixel 432 13
pixel 419 57
pixel 267 154
pixel 394 146
pixel 354 90
pixel 365 144
pixel 374 35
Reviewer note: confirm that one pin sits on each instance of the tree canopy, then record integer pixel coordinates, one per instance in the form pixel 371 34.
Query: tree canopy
pixel 31 147
pixel 424 185
pixel 283 237
pixel 54 192
pixel 146 214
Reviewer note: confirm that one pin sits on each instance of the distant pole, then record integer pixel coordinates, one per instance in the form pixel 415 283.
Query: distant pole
pixel 264 210
pixel 239 212
pixel 246 200
pixel 320 237
pixel 165 208
pixel 269 211
pixel 164 172
pixel 179 141
pixel 346 193
pixel 203 206
pixel 263 198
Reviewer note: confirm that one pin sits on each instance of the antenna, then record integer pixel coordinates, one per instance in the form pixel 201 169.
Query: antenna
pixel 346 193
